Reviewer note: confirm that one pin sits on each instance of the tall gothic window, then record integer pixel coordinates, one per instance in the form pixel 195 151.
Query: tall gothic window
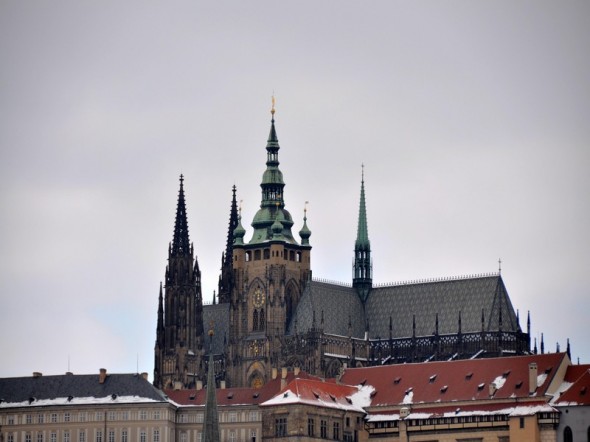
pixel 567 435
pixel 262 319
pixel 255 320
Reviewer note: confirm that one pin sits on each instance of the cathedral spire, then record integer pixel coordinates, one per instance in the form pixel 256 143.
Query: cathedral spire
pixel 272 205
pixel 180 241
pixel 160 325
pixel 362 278
pixel 226 277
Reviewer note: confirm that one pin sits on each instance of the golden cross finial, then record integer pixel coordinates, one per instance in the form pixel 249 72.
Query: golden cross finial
pixel 305 208
pixel 272 109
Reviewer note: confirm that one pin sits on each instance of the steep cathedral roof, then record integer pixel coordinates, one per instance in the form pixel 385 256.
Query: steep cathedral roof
pixel 473 298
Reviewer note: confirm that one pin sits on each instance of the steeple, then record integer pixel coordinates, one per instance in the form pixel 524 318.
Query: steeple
pixel 226 277
pixel 160 325
pixel 362 277
pixel 211 420
pixel 273 200
pixel 180 241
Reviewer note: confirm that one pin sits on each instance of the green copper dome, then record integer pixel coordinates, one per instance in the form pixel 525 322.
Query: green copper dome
pixel 272 221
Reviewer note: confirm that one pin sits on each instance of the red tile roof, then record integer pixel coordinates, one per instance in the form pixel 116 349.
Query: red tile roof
pixel 323 394
pixel 235 396
pixel 578 393
pixel 462 380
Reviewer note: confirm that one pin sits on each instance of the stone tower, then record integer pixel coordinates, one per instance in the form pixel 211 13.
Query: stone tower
pixel 270 273
pixel 179 333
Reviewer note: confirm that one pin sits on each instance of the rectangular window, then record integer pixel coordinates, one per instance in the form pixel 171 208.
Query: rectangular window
pixel 253 435
pixel 124 435
pixel 125 415
pixel 39 437
pixel 233 416
pixel 99 416
pixel 112 416
pixel 27 438
pixel 111 435
pixel 10 420
pixel 142 436
pixel 522 422
pixel 29 419
pixel 157 415
pixel 82 436
pixel 98 436
pixel 40 418
pixel 143 415
pixel 156 436
pixel 10 437
pixel 323 429
pixel 336 431
pixel 53 436
pixel 66 417
pixel 232 436
pixel 183 437
pixel 53 418
pixel 310 427
pixel 199 417
pixel 281 427
pixel 66 436
pixel 253 417
pixel 82 417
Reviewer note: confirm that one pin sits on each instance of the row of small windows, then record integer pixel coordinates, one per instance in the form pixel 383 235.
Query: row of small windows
pixel 84 416
pixel 228 416
pixel 232 436
pixel 324 429
pixel 81 435
pixel 288 255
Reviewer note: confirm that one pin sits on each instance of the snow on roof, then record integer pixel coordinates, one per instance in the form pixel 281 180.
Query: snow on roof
pixel 77 401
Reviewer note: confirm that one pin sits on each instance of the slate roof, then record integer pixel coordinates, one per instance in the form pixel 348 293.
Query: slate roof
pixel 337 302
pixel 401 302
pixel 465 380
pixel 218 315
pixel 447 298
pixel 79 386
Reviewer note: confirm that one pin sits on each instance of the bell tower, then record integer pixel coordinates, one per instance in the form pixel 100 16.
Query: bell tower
pixel 270 273
pixel 179 333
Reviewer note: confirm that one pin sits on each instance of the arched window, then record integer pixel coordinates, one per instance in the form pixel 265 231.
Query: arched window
pixel 567 435
pixel 262 318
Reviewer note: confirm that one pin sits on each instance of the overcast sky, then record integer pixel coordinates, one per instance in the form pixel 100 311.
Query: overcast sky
pixel 472 120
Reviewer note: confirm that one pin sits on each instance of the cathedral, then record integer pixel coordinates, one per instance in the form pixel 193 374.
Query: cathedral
pixel 272 314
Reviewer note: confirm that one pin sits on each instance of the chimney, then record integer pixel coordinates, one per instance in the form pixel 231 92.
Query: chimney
pixel 274 373
pixel 404 412
pixel 37 374
pixel 177 385
pixel 532 377
pixel 296 370
pixel 199 385
pixel 222 385
pixel 102 376
pixel 144 375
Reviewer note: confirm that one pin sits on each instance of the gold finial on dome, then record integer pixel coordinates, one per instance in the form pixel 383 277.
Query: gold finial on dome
pixel 272 109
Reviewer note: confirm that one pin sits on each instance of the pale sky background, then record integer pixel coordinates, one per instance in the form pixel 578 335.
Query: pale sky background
pixel 472 119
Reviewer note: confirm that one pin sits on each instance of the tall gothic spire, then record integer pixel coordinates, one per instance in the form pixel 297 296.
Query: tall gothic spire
pixel 226 277
pixel 362 278
pixel 211 421
pixel 180 241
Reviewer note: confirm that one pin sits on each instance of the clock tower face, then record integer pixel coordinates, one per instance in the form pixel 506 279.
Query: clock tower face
pixel 258 298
